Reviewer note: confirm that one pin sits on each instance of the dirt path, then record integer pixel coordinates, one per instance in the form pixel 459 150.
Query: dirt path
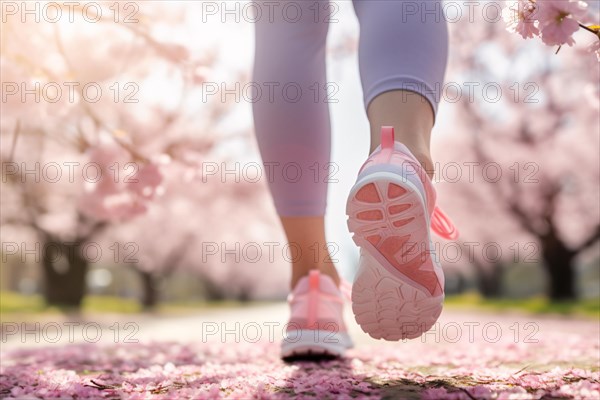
pixel 233 353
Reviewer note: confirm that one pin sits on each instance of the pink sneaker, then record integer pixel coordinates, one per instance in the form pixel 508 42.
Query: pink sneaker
pixel 398 292
pixel 316 326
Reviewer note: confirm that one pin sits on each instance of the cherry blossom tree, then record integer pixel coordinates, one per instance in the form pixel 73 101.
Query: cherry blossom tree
pixel 528 147
pixel 93 121
pixel 555 21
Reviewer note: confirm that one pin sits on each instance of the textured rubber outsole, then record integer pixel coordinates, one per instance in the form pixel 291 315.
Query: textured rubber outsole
pixel 393 299
pixel 314 344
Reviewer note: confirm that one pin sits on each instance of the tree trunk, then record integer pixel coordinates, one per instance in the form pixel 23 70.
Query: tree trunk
pixel 64 288
pixel 559 261
pixel 150 293
pixel 489 280
pixel 244 295
pixel 461 283
pixel 211 290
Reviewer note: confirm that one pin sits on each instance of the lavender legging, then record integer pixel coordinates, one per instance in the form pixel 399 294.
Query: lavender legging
pixel 403 45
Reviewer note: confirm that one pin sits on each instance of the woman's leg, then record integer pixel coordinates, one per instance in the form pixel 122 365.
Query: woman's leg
pixel 403 53
pixel 398 289
pixel 412 119
pixel 308 235
pixel 293 127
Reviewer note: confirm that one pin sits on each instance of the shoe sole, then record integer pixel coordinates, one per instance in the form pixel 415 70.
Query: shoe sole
pixel 314 344
pixel 392 299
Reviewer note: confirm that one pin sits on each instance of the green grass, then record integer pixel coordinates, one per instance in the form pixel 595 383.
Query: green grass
pixel 15 303
pixel 533 305
pixel 108 304
pixel 11 302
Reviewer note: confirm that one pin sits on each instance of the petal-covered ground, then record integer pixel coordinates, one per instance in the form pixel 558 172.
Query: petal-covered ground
pixel 559 361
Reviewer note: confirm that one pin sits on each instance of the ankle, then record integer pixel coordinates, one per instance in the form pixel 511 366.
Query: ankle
pixel 424 158
pixel 420 149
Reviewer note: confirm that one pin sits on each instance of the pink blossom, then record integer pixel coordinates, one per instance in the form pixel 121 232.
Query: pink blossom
pixel 200 74
pixel 519 17
pixel 595 48
pixel 145 181
pixel 173 52
pixel 558 20
pixel 168 370
pixel 114 192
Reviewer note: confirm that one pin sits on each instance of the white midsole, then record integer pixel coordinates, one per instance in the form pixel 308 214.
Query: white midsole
pixel 316 341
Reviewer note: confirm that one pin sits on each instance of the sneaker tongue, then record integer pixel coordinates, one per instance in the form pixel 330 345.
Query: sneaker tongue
pixel 326 285
pixel 302 286
pixel 398 147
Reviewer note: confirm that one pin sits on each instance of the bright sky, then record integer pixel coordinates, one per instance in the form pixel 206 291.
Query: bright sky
pixel 350 142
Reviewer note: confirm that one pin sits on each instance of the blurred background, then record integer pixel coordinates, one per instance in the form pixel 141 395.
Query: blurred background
pixel 131 179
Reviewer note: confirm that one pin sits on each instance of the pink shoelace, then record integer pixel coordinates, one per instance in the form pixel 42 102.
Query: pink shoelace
pixel 346 289
pixel 442 225
pixel 440 222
